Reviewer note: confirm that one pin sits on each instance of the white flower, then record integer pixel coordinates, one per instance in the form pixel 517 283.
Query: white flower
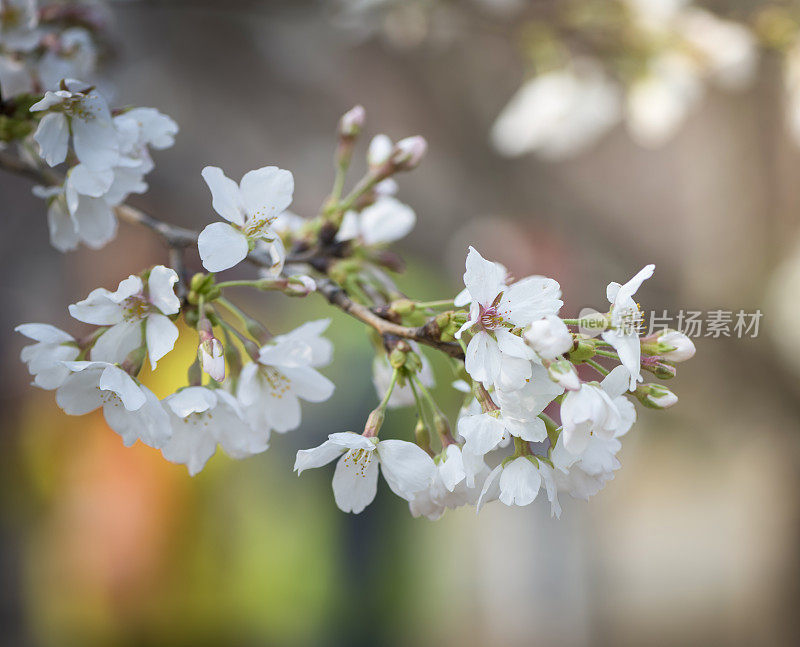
pixel 406 468
pixel 549 337
pixel 495 355
pixel 518 415
pixel 597 410
pixel 457 481
pixel 558 114
pixel 154 128
pixel 385 221
pixel 86 116
pixel 584 475
pixel 310 333
pixel 659 102
pixel 212 357
pixel 250 207
pixel 45 358
pixel 680 346
pixel 625 315
pixel 402 395
pixel 270 389
pixel 729 50
pixel 129 408
pixel 14 77
pixel 18 25
pixel 126 309
pixel 519 482
pixel 203 418
pixel 91 221
pixel 379 150
pixel 73 57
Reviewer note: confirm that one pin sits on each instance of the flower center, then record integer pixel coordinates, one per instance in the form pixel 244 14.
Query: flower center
pixel 490 317
pixel 359 459
pixel 278 383
pixel 135 307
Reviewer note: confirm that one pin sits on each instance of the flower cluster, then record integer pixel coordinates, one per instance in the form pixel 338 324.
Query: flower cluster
pixel 545 404
pixel 593 65
pixel 649 70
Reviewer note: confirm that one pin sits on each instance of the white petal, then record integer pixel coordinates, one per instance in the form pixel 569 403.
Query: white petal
pixel 79 393
pixel 519 482
pixel 308 384
pixel 116 380
pixel 484 279
pixel 225 196
pixel 513 345
pixel 406 466
pixel 266 192
pixel 629 289
pixel 483 358
pixel 94 221
pixel 451 470
pixel 386 221
pixel 52 135
pixel 221 247
pixel 355 484
pixel 161 286
pixel 316 456
pixel 616 382
pixel 44 333
pixel 63 232
pixel 529 299
pixel 161 335
pixel 514 372
pixel 98 308
pixel 193 399
pixel 629 350
pixel 189 446
pixel 482 432
pixel 350 227
pixel 95 139
pixel 490 488
pixel 352 440
pixel 117 342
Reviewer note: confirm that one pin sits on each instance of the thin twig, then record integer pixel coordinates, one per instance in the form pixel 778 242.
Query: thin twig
pixel 178 238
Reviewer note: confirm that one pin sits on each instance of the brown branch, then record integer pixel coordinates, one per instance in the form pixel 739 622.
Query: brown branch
pixel 179 238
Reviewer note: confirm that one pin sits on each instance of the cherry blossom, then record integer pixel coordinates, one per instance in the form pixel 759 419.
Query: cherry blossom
pixel 270 389
pixel 129 408
pixel 126 309
pixel 203 418
pixel 625 315
pixel 45 358
pixel 495 354
pixel 406 468
pixel 250 207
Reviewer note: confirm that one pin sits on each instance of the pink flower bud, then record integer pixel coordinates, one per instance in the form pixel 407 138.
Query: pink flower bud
pixel 211 353
pixel 352 122
pixel 408 152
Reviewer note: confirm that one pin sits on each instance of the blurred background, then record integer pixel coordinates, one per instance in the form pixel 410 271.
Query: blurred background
pixel 694 542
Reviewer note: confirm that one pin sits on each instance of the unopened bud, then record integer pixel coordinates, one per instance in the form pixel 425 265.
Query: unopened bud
pixel 374 423
pixel 397 358
pixel 211 354
pixel 352 122
pixel 134 361
pixel 655 396
pixel 200 282
pixel 403 307
pixel 379 151
pixel 442 427
pixel 422 435
pixel 663 370
pixel 563 372
pixel 549 337
pixel 408 153
pixel 300 285
pixel 675 346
